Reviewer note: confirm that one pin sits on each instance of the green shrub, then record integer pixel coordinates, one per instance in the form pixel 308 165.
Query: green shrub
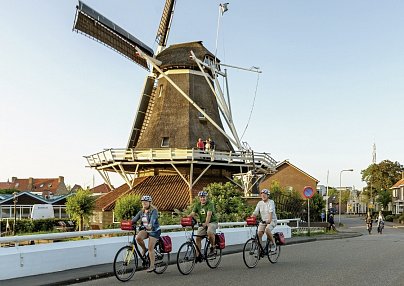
pixel 127 206
pixel 389 217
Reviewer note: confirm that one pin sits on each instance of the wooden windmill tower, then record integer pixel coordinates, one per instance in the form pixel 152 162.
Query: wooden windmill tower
pixel 180 102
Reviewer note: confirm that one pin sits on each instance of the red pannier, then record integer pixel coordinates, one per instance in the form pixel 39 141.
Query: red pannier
pixel 165 244
pixel 251 220
pixel 186 221
pixel 126 225
pixel 220 240
pixel 281 238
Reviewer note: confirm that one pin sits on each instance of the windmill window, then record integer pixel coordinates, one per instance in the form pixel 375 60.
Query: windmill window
pixel 161 90
pixel 201 116
pixel 165 142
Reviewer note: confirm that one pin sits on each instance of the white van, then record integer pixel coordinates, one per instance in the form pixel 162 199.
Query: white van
pixel 42 211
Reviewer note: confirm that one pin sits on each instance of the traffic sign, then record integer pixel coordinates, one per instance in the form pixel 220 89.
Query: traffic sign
pixel 308 192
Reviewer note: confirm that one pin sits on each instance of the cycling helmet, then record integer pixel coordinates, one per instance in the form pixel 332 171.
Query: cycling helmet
pixel 265 191
pixel 146 198
pixel 202 194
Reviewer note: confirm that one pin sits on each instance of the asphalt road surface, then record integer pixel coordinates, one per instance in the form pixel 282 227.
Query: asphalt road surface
pixel 366 260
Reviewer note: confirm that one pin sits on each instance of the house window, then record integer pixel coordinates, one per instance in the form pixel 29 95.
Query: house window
pixel 49 185
pixel 402 194
pixel 165 142
pixel 17 184
pixel 394 193
pixel 41 186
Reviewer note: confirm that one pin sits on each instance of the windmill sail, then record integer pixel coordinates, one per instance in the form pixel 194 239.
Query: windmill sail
pixel 91 23
pixel 165 23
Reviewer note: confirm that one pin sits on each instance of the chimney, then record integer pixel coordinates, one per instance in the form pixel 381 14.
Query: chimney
pixel 30 184
pixel 61 179
pixel 13 179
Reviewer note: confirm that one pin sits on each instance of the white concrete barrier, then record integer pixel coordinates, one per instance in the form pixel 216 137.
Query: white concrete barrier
pixel 21 261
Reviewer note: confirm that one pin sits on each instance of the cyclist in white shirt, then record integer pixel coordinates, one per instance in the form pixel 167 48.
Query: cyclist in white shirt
pixel 266 208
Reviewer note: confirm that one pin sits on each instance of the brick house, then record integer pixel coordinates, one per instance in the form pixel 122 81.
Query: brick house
pixel 398 196
pixel 46 187
pixel 290 177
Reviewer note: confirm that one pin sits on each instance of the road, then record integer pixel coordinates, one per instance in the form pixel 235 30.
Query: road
pixel 366 260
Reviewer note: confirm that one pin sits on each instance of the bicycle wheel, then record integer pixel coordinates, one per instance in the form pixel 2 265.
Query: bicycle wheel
pixel 125 263
pixel 186 258
pixel 251 253
pixel 274 255
pixel 213 261
pixel 161 259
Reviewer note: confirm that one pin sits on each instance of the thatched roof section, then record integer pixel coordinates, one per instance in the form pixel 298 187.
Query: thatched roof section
pixel 178 56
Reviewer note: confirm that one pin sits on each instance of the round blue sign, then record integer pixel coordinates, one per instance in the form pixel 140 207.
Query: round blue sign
pixel 308 192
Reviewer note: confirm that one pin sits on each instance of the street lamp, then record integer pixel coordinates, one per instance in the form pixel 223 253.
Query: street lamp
pixel 340 190
pixel 15 200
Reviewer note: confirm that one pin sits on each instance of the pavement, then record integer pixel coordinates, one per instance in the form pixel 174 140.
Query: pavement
pixel 79 275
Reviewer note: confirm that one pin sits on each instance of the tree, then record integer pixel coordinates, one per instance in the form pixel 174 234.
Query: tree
pixel 229 202
pixel 80 206
pixel 316 206
pixel 127 206
pixel 381 176
pixel 384 198
pixel 8 191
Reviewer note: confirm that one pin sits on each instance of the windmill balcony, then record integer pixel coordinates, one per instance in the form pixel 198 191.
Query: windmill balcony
pixel 109 157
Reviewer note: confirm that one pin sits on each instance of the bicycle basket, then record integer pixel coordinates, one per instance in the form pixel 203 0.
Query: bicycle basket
pixel 187 221
pixel 126 225
pixel 252 220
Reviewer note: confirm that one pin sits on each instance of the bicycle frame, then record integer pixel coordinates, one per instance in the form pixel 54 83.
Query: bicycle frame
pixel 191 239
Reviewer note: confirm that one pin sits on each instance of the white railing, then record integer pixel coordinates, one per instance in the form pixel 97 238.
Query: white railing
pixel 109 156
pixel 97 233
pixel 22 261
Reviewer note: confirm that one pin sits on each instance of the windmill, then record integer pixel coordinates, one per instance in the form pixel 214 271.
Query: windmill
pixel 181 101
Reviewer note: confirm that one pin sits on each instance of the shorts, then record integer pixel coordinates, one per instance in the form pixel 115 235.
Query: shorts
pixel 211 229
pixel 263 226
pixel 156 234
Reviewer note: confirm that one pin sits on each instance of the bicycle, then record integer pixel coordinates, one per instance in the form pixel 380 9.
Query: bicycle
pixel 253 250
pixel 369 227
pixel 186 256
pixel 127 259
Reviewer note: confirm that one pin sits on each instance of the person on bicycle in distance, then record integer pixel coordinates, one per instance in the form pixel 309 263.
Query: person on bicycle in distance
pixel 149 220
pixel 208 220
pixel 266 208
pixel 368 221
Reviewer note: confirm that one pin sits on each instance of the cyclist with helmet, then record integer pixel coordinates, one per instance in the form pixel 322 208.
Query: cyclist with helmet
pixel 266 208
pixel 206 212
pixel 148 216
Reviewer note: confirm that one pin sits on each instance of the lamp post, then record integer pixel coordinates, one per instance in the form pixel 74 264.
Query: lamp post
pixel 15 200
pixel 340 191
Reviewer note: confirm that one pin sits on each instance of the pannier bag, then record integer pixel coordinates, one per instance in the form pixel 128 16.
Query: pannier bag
pixel 251 220
pixel 126 225
pixel 220 240
pixel 281 238
pixel 165 244
pixel 187 221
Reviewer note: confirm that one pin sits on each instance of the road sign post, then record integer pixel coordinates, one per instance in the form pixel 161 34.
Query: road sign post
pixel 308 192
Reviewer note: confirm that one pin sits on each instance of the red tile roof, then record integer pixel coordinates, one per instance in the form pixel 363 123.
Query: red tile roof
pixel 101 189
pixel 37 185
pixel 169 192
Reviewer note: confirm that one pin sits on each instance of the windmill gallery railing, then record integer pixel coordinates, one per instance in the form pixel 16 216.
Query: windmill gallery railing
pixel 110 156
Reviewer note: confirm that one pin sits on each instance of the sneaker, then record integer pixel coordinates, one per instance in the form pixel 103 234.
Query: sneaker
pixel 151 269
pixel 273 247
pixel 198 259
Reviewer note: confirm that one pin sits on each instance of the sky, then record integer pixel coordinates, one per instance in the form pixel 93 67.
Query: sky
pixel 331 84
